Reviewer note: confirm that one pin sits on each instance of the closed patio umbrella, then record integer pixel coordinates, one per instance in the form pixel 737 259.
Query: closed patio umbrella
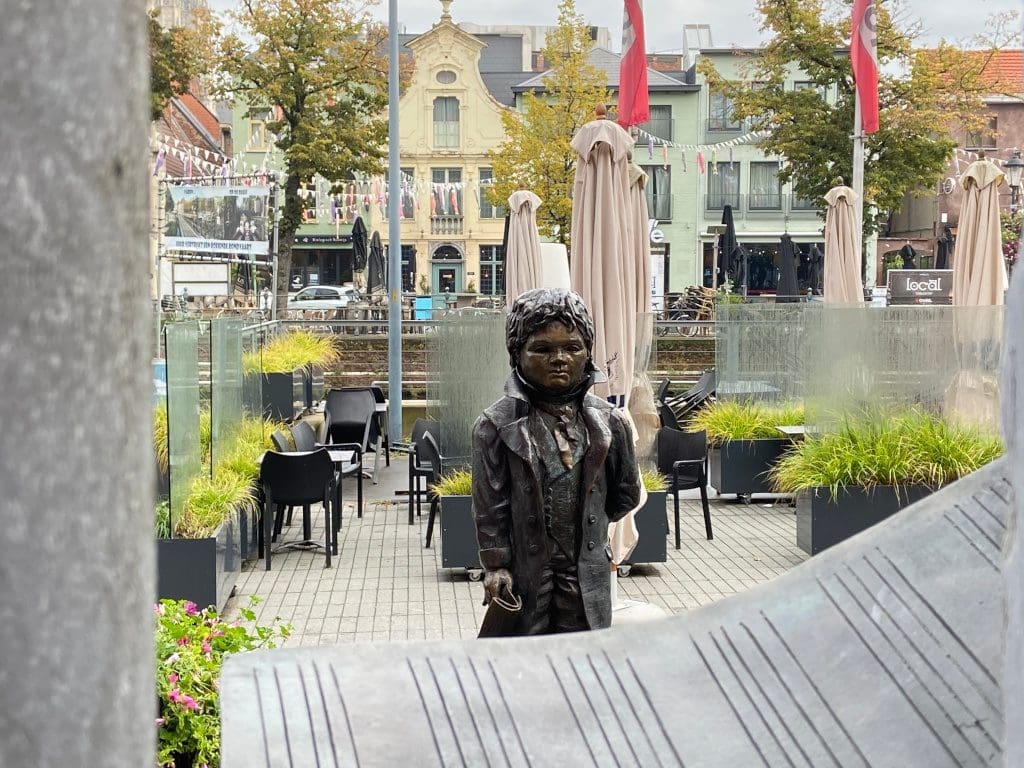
pixel 604 266
pixel 732 257
pixel 522 245
pixel 944 249
pixel 376 270
pixel 979 272
pixel 787 290
pixel 816 267
pixel 842 283
pixel 359 235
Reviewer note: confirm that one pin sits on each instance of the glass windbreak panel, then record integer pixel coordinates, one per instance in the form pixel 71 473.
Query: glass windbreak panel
pixel 641 400
pixel 181 342
pixel 468 366
pixel 226 385
pixel 252 382
pixel 761 351
pixel 943 360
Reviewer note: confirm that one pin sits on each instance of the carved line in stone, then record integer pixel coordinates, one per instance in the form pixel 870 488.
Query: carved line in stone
pixel 938 616
pixel 944 643
pixel 426 711
pixel 469 707
pixel 309 716
pixel 490 712
pixel 263 720
pixel 344 713
pixel 607 697
pixel 908 641
pixel 995 518
pixel 814 687
pixel 572 709
pixel 781 680
pixel 652 711
pixel 626 696
pixel 995 545
pixel 729 701
pixel 284 713
pixel 898 683
pixel 447 711
pixel 612 712
pixel 762 712
pixel 967 537
pixel 508 711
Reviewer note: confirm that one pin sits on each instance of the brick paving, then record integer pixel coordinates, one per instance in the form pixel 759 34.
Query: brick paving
pixel 384 585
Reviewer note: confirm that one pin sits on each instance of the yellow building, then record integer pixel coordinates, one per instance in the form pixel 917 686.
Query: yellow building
pixel 448 121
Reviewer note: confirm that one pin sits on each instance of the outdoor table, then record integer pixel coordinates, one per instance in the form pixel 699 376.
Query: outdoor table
pixel 339 458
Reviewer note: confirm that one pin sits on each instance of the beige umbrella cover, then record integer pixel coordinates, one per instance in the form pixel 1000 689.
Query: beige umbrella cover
pixel 640 237
pixel 600 265
pixel 842 283
pixel 522 255
pixel 979 272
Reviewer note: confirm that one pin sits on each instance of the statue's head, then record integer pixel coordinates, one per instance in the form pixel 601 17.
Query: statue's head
pixel 550 337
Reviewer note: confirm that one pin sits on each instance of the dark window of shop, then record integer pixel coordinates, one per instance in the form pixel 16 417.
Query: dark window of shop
pixel 492 270
pixel 659 192
pixel 724 186
pixel 487 209
pixel 408 268
pixel 765 187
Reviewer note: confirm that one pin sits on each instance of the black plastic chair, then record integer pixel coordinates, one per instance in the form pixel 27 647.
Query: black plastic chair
pixel 419 467
pixel 298 479
pixel 281 445
pixel 683 458
pixel 349 418
pixel 382 424
pixel 431 455
pixel 304 436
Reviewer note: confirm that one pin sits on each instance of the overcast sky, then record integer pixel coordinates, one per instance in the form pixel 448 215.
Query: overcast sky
pixel 733 22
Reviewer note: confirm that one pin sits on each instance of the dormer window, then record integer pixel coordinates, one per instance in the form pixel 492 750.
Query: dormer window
pixel 445 77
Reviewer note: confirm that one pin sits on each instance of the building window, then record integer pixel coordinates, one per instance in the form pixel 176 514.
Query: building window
pixel 446 122
pixel 724 186
pixel 445 77
pixel 659 192
pixel 765 187
pixel 810 85
pixel 492 270
pixel 720 116
pixel 258 134
pixel 446 192
pixel 407 196
pixel 487 209
pixel 985 138
pixel 659 126
pixel 408 268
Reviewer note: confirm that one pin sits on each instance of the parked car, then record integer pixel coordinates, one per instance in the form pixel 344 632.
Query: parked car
pixel 323 297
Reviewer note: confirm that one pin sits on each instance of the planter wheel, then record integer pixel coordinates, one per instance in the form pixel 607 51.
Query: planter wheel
pixel 475 574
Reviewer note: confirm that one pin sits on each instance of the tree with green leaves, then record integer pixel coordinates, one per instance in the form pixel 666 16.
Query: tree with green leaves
pixel 322 66
pixel 536 153
pixel 923 96
pixel 177 56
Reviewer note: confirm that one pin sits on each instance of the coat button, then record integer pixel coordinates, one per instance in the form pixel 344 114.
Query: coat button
pixel 590 545
pixel 592 519
pixel 531 520
pixel 535 547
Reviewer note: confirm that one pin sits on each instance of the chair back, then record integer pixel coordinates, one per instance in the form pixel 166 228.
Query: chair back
pixel 667 416
pixel 422 426
pixel 297 477
pixel 675 445
pixel 349 416
pixel 431 454
pixel 304 436
pixel 280 441
pixel 662 391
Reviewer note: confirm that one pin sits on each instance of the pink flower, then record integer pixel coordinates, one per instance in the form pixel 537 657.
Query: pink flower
pixel 172 678
pixel 188 702
pixel 207 648
pixel 159 722
pixel 190 608
pixel 174 695
pixel 159 609
pixel 182 641
pixel 173 658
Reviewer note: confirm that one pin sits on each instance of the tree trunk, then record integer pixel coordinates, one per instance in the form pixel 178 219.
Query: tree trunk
pixel 291 217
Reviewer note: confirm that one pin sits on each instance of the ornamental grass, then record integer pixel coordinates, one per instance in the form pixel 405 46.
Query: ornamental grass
pixel 290 351
pixel 726 420
pixel 908 448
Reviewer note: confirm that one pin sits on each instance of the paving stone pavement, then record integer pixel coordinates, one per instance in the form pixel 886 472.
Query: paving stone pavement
pixel 384 585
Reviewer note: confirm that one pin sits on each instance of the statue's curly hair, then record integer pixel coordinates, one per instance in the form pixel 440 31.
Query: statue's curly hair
pixel 542 306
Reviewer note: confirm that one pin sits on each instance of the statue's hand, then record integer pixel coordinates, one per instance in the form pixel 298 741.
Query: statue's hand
pixel 494 581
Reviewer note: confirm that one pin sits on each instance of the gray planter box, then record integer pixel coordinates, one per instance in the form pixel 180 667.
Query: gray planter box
pixel 652 527
pixel 741 466
pixel 822 521
pixel 201 570
pixel 284 395
pixel 458 533
pixel 314 385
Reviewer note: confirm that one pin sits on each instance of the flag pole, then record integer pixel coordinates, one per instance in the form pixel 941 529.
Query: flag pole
pixel 858 183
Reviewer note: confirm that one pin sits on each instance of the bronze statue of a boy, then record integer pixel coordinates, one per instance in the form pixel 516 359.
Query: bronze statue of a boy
pixel 552 466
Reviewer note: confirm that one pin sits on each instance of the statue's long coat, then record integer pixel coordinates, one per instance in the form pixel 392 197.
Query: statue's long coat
pixel 508 498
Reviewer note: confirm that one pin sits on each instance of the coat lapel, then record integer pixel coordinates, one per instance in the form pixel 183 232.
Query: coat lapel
pixel 600 444
pixel 516 435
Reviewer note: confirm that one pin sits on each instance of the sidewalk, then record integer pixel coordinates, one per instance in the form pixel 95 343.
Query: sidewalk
pixel 384 585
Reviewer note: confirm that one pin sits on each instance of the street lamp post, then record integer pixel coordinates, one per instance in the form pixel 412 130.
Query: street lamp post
pixel 1013 168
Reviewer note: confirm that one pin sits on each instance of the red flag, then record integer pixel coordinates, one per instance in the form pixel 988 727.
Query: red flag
pixel 864 59
pixel 634 103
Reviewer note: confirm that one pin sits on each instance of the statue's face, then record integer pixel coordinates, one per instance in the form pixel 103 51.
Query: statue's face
pixel 554 358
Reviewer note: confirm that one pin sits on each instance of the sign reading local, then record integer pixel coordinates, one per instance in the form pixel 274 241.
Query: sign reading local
pixel 920 286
